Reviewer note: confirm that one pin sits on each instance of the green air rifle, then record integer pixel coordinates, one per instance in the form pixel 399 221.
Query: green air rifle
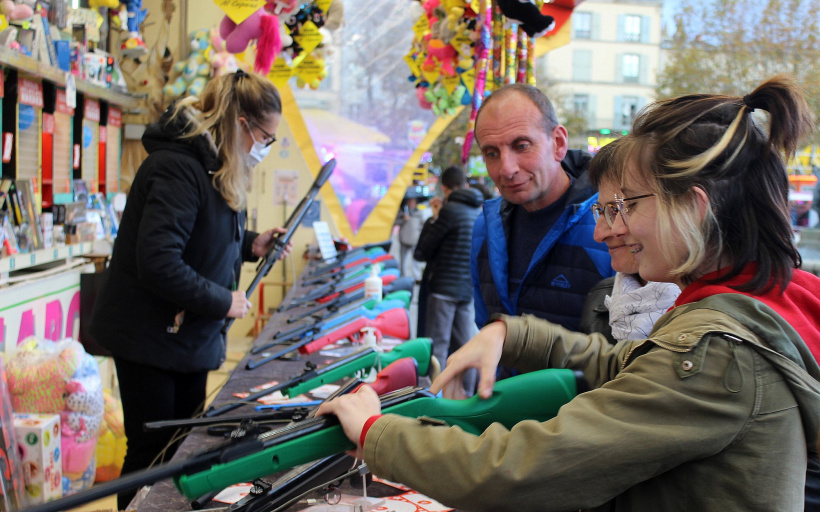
pixel 530 396
pixel 419 349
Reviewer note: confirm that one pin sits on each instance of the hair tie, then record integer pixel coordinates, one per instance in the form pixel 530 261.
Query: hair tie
pixel 747 100
pixel 239 73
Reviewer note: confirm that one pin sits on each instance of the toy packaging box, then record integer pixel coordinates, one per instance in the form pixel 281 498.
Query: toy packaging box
pixel 12 484
pixel 38 437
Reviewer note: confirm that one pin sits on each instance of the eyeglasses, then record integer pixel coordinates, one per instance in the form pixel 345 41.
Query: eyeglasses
pixel 610 210
pixel 270 138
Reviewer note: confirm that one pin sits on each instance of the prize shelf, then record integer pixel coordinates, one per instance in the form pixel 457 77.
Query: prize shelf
pixel 57 76
pixel 40 257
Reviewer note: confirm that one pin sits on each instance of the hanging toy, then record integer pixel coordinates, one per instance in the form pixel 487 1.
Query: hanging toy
pixel 527 14
pixel 259 26
pixel 134 45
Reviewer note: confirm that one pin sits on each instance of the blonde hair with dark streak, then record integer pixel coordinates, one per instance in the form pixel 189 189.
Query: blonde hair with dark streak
pixel 714 142
pixel 220 105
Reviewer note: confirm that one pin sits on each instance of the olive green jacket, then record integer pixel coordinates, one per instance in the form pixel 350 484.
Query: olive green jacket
pixel 708 414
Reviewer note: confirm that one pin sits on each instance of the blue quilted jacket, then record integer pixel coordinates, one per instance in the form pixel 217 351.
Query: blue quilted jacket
pixel 565 266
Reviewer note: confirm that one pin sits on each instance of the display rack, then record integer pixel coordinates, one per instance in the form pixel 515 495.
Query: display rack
pixel 41 257
pixel 56 75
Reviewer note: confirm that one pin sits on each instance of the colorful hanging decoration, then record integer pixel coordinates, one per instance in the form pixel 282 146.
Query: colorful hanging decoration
pixel 282 29
pixel 459 44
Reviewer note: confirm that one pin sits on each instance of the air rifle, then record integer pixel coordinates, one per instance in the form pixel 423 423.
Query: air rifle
pixel 419 349
pixel 356 297
pixel 328 323
pixel 385 260
pixel 280 241
pixel 387 277
pixel 393 322
pixel 345 257
pixel 325 293
pixel 530 396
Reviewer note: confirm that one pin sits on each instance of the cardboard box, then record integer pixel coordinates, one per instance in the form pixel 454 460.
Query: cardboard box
pixel 38 436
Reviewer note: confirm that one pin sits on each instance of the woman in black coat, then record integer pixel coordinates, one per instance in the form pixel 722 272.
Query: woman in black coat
pixel 174 272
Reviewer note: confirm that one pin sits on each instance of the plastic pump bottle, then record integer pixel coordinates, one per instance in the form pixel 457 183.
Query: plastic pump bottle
pixel 373 284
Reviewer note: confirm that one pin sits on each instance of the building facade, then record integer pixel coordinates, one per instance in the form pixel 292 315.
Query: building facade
pixel 609 70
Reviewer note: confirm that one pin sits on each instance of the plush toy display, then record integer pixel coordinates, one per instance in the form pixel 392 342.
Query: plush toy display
pixel 193 72
pixel 528 16
pixel 61 378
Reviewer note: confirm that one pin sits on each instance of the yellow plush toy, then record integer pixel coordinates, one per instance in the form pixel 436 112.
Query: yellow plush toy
pixel 112 443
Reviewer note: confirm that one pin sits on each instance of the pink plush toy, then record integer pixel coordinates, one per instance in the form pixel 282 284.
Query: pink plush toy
pixel 443 54
pixel 261 26
pixel 16 11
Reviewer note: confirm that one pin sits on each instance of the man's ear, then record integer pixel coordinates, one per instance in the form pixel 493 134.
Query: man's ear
pixel 560 142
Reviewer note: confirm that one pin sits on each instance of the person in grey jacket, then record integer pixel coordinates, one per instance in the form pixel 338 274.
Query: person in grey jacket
pixel 717 409
pixel 174 272
pixel 444 244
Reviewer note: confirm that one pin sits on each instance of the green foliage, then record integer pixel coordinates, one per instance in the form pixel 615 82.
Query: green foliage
pixel 731 46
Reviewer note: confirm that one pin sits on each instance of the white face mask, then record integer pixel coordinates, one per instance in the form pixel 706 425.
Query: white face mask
pixel 258 151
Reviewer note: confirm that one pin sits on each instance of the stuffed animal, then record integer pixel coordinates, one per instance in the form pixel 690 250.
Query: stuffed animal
pixel 111 446
pixel 260 26
pixel 38 375
pixel 222 61
pixel 134 46
pixel 193 72
pixel 84 403
pixel 15 11
pixel 440 55
pixel 444 103
pixel 80 422
pixel 527 14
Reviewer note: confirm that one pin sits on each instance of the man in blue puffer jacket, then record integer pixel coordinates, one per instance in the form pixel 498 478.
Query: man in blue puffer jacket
pixel 532 249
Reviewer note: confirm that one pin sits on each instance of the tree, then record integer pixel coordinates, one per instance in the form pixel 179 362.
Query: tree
pixel 731 46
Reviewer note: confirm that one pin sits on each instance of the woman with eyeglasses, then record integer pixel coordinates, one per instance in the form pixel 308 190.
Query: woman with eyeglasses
pixel 173 277
pixel 626 306
pixel 717 409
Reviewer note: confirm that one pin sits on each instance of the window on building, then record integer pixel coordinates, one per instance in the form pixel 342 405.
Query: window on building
pixel 581 65
pixel 631 68
pixel 582 25
pixel 629 108
pixel 580 104
pixel 632 28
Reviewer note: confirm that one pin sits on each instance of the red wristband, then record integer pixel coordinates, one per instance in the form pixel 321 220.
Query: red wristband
pixel 367 424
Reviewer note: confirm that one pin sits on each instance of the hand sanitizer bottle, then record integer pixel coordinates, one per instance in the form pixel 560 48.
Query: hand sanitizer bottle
pixel 373 284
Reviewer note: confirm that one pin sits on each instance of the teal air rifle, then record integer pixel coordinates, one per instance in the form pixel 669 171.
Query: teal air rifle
pixel 530 396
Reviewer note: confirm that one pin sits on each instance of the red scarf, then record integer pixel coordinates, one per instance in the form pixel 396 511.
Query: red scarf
pixel 799 304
